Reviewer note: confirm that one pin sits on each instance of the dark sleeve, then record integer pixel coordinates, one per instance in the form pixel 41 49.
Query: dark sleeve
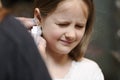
pixel 6 52
pixel 19 56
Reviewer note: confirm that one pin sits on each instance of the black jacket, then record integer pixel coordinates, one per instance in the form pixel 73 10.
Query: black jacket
pixel 19 56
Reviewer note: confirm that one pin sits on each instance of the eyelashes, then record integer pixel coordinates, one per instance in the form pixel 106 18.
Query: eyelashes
pixel 63 24
pixel 78 26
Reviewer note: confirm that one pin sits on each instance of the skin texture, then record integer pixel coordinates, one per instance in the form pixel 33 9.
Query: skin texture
pixel 63 30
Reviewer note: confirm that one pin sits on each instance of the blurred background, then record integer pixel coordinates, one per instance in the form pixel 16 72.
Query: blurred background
pixel 104 47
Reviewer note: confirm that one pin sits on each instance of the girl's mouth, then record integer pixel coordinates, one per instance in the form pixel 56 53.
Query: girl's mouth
pixel 66 42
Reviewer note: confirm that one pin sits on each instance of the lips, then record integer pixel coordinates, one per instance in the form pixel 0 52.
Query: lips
pixel 66 42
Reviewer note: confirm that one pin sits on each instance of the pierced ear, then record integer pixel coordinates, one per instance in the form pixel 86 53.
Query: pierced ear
pixel 37 14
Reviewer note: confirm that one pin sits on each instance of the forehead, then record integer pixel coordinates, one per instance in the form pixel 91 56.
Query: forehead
pixel 67 9
pixel 77 6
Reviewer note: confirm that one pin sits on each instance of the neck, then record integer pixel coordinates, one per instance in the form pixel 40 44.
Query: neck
pixel 57 58
pixel 58 64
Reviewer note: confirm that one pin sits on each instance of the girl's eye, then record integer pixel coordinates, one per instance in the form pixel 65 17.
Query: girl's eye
pixel 63 24
pixel 79 26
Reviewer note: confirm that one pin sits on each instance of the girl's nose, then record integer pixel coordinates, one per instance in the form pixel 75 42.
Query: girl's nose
pixel 70 35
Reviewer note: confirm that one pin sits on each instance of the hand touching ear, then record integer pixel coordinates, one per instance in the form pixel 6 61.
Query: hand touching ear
pixel 28 22
pixel 42 47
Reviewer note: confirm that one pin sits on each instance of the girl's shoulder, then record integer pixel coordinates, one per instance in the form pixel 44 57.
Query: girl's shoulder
pixel 84 62
pixel 86 65
pixel 87 69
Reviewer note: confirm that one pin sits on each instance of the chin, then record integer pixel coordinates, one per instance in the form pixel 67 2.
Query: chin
pixel 64 51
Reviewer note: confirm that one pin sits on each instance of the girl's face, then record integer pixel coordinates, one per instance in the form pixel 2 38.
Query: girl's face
pixel 64 28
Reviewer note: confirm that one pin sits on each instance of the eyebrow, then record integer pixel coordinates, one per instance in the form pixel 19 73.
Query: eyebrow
pixel 81 22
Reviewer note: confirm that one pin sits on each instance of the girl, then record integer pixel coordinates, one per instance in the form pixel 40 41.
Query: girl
pixel 66 28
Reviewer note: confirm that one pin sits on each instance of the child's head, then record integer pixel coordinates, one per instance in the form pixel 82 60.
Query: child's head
pixel 71 20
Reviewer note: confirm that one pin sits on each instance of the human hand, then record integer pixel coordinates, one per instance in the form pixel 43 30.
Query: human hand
pixel 42 47
pixel 28 22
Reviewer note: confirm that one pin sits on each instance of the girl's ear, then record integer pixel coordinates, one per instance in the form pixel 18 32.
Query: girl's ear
pixel 37 15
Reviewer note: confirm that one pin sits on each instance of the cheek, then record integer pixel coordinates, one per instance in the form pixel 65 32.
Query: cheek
pixel 51 34
pixel 80 35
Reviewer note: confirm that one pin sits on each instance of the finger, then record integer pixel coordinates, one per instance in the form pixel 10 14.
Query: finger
pixel 28 22
pixel 42 47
